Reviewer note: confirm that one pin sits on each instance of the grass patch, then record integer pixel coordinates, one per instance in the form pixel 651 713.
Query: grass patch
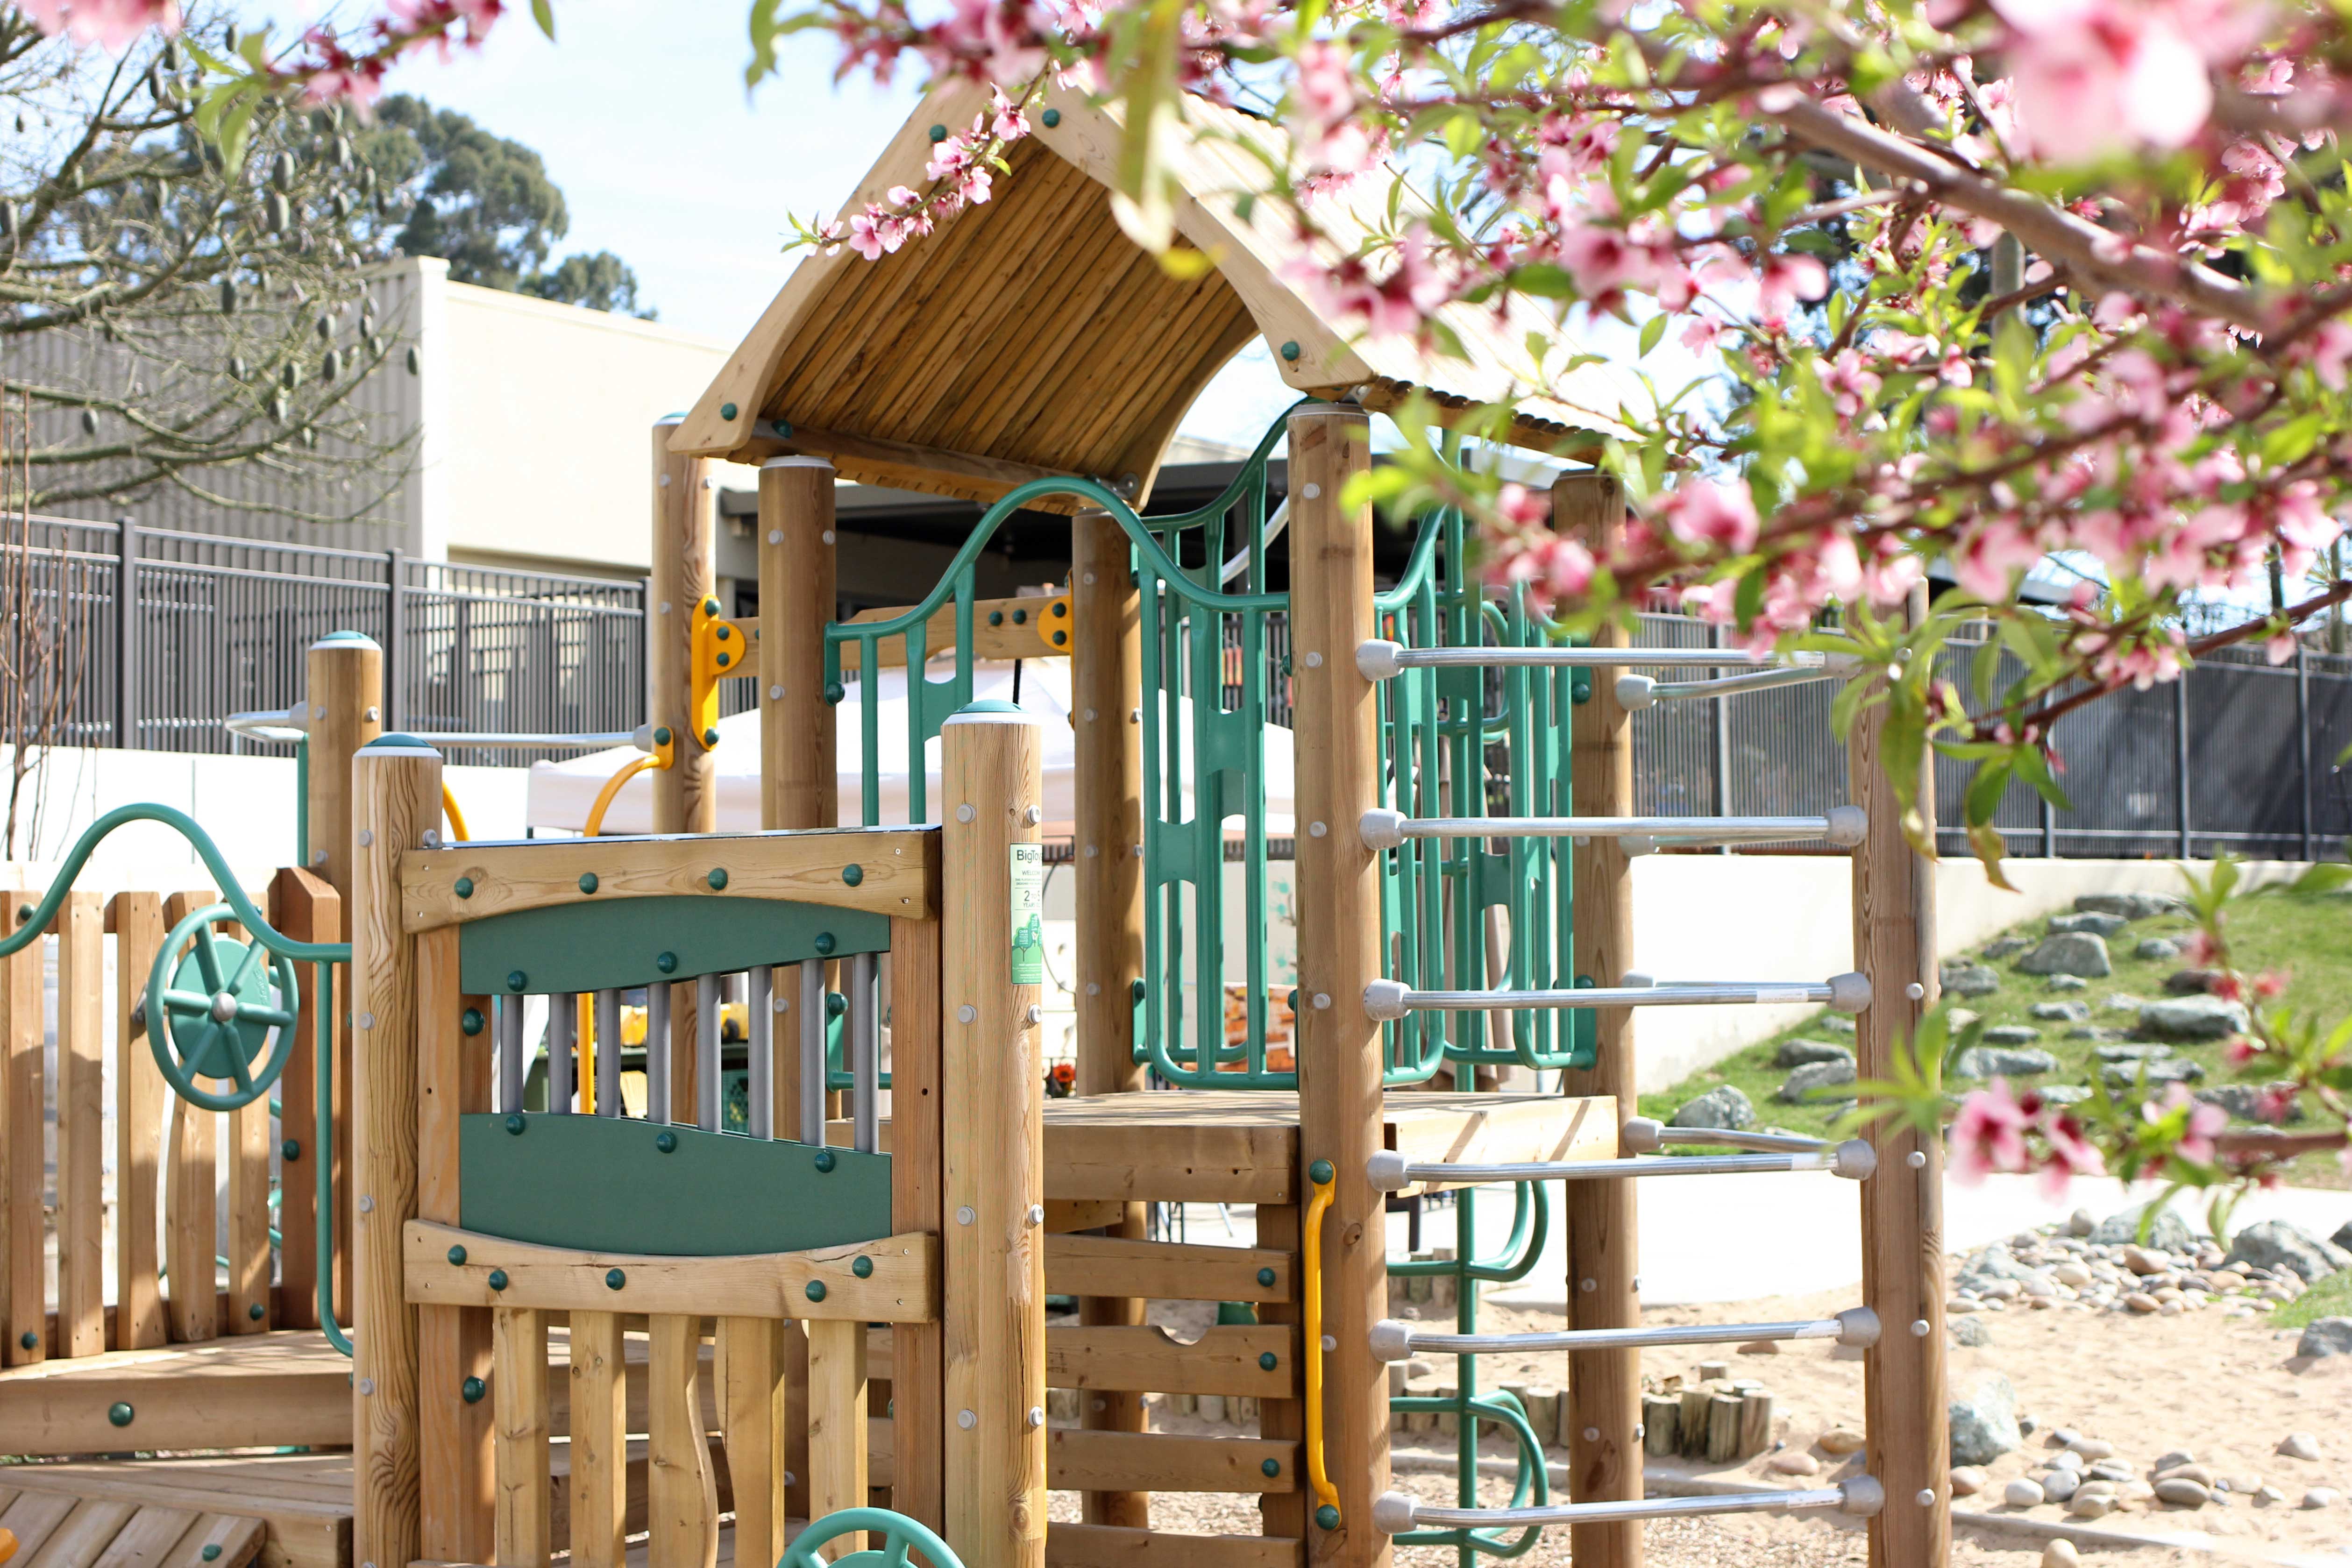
pixel 2331 1298
pixel 2309 937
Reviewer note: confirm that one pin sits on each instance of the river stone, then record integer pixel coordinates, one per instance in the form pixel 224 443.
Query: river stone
pixel 2131 1053
pixel 2068 952
pixel 2130 906
pixel 2098 1033
pixel 2006 946
pixel 2023 1493
pixel 1989 1265
pixel 2060 1013
pixel 2189 982
pixel 2058 1483
pixel 2066 983
pixel 2282 1244
pixel 1806 1082
pixel 2010 1034
pixel 1971 1332
pixel 1840 1440
pixel 2092 921
pixel 1794 1463
pixel 1984 1421
pixel 2182 1492
pixel 2299 1446
pixel 1989 1062
pixel 2164 1070
pixel 2122 1002
pixel 2246 1102
pixel 1723 1106
pixel 2156 950
pixel 1834 1023
pixel 1799 1052
pixel 2064 1093
pixel 1971 980
pixel 2343 1237
pixel 2192 1017
pixel 2170 1233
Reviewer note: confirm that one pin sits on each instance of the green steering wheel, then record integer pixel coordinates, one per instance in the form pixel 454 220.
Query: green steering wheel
pixel 898 1534
pixel 212 1018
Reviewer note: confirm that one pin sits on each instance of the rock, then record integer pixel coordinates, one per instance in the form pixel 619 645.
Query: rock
pixel 2319 1496
pixel 2271 1495
pixel 2326 1336
pixel 1790 1462
pixel 2059 1484
pixel 2023 1493
pixel 2072 1274
pixel 2092 1504
pixel 2093 1449
pixel 1723 1106
pixel 2156 950
pixel 1990 1062
pixel 2060 1013
pixel 1971 1332
pixel 2343 1237
pixel 2141 1302
pixel 2192 1017
pixel 2282 1244
pixel 2066 983
pixel 1984 1421
pixel 2098 922
pixel 2130 906
pixel 1834 1023
pixel 2001 948
pixel 2131 1053
pixel 2161 1071
pixel 2299 1446
pixel 2010 1034
pixel 1840 1440
pixel 2065 1094
pixel 1971 980
pixel 2169 1233
pixel 2182 1465
pixel 1807 1082
pixel 2182 1492
pixel 2081 1222
pixel 1800 1052
pixel 2068 952
pixel 2247 1101
pixel 1985 1272
pixel 2190 982
pixel 2122 1002
pixel 2098 1033
pixel 1967 1480
pixel 2061 1553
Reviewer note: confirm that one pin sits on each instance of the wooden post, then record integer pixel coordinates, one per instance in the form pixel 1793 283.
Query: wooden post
pixel 1604 1385
pixel 992 1139
pixel 81 1137
pixel 918 1393
pixel 190 1220
pixel 1339 951
pixel 344 685
pixel 1107 690
pixel 1902 1205
pixel 686 793
pixel 24 1156
pixel 454 1053
pixel 397 798
pixel 137 921
pixel 836 1426
pixel 306 908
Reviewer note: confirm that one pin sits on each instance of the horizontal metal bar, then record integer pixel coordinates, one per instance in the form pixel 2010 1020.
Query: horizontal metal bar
pixel 1388 1000
pixel 1392 1339
pixel 1645 1136
pixel 1380 660
pixel 515 740
pixel 1640 691
pixel 1389 1171
pixel 278 725
pixel 1844 827
pixel 1395 1512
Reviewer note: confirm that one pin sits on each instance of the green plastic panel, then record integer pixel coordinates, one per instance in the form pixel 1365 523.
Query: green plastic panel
pixel 593 945
pixel 605 1185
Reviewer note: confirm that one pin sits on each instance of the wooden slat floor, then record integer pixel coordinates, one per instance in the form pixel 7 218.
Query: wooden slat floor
pixel 57 1528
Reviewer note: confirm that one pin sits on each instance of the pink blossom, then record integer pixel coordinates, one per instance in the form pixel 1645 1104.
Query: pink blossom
pixel 2070 1154
pixel 1988 1134
pixel 1009 123
pixel 1992 553
pixel 2204 1121
pixel 1702 512
pixel 110 24
pixel 1788 277
pixel 2097 77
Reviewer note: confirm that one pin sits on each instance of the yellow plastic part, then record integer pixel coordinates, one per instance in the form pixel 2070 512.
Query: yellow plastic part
pixel 458 832
pixel 722 652
pixel 7 1545
pixel 1057 627
pixel 1318 1204
pixel 665 753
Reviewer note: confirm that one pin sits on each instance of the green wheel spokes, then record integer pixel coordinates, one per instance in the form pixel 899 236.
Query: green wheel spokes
pixel 238 1028
pixel 899 1534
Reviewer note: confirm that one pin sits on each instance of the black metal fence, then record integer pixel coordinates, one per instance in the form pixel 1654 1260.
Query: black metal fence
pixel 219 625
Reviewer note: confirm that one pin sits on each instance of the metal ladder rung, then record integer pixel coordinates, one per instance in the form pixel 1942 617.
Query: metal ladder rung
pixel 1391 1172
pixel 1844 828
pixel 1388 1000
pixel 1645 1136
pixel 1636 692
pixel 1395 1512
pixel 1392 1339
pixel 1380 660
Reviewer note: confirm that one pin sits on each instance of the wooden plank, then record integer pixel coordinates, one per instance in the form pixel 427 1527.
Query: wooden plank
pixel 748 1285
pixel 875 460
pixel 247 1524
pixel 33 1518
pixel 178 1400
pixel 309 909
pixel 83 1537
pixel 519 1353
pixel 1604 1257
pixel 801 867
pixel 1107 1546
pixel 1164 1461
pixel 191 1216
pixel 1284 1514
pixel 147 1538
pixel 1167 1270
pixel 23 1153
pixel 1148 1359
pixel 598 1425
pixel 750 1375
pixel 1168 1163
pixel 1005 639
pixel 1340 948
pixel 248 1253
pixel 918 1393
pixel 1902 1206
pixel 837 1425
pixel 137 921
pixel 82 1123
pixel 234 1543
pixel 398 799
pixel 682 1511
pixel 1065 1214
pixel 459 1492
pixel 685 501
pixel 991 1138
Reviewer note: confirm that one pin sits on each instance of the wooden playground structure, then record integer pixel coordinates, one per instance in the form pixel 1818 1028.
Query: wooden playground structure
pixel 655 1339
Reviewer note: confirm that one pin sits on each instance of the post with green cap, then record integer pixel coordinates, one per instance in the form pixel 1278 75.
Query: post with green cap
pixel 396 801
pixel 992 1135
pixel 686 793
pixel 1339 949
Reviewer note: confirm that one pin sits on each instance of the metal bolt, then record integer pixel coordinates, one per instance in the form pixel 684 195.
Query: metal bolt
pixel 1916 1159
pixel 1919 1328
pixel 1589 1285
pixel 367 1021
pixel 966 1419
pixel 432 838
pixel 1036 1417
pixel 318 857
pixel 1034 1014
pixel 1314 661
pixel 1036 1214
pixel 1322 1001
pixel 827 536
pixel 1093 988
pixel 776 536
pixel 367 837
pixel 1093 850
pixel 367 1386
pixel 966 1013
pixel 964 813
pixel 1330 1342
pixel 1317 829
pixel 1033 815
pixel 1927 1497
pixel 964 1215
pixel 1592 1434
pixel 367 1204
pixel 775 694
pixel 1915 991
pixel 1090 716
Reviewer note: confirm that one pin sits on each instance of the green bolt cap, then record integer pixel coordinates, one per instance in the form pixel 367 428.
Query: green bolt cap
pixel 457 1255
pixel 815 1291
pixel 1320 1172
pixel 28 1338
pixel 996 618
pixel 24 911
pixel 725 631
pixel 851 875
pixel 516 979
pixel 726 411
pixel 1326 1518
pixel 825 1161
pixel 718 878
pixel 782 427
pixel 257 1312
pixel 1267 1361
pixel 710 604
pixel 472 1390
pixel 833 693
pixel 497 1280
pixel 1021 617
pixel 615 1278
pixel 835 1004
pixel 724 660
pixel 1052 118
pixel 515 1124
pixel 290 1150
pixel 666 1141
pixel 666 963
pixel 1060 638
pixel 661 736
pixel 1270 1468
pixel 1290 351
pixel 939 133
pixel 862 1267
pixel 119 1413
pixel 211 1554
pixel 465 887
pixel 1265 1276
pixel 825 944
pixel 587 882
pixel 471 1020
pixel 711 737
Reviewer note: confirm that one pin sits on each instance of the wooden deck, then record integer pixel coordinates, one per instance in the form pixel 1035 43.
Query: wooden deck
pixel 276 1511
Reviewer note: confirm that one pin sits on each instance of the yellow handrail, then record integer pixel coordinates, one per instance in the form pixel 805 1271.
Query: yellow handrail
pixel 664 752
pixel 1326 1514
pixel 458 832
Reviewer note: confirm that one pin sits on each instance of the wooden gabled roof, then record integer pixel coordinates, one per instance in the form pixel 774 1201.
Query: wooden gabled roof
pixel 1030 336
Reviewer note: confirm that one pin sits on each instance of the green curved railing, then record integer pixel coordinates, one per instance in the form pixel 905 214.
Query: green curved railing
pixel 325 954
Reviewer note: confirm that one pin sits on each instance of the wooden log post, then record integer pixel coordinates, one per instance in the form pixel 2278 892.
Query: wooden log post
pixel 23 1155
pixel 1604 1385
pixel 686 793
pixel 1107 690
pixel 137 921
pixel 1902 1205
pixel 397 798
pixel 992 1139
pixel 456 1429
pixel 1340 1057
pixel 303 906
pixel 918 1390
pixel 80 1123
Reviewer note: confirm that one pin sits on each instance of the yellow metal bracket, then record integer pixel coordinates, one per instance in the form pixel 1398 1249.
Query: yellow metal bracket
pixel 1056 628
pixel 1318 1204
pixel 720 654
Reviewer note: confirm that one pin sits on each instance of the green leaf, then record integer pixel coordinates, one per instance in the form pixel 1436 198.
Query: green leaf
pixel 1652 332
pixel 543 13
pixel 1986 790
